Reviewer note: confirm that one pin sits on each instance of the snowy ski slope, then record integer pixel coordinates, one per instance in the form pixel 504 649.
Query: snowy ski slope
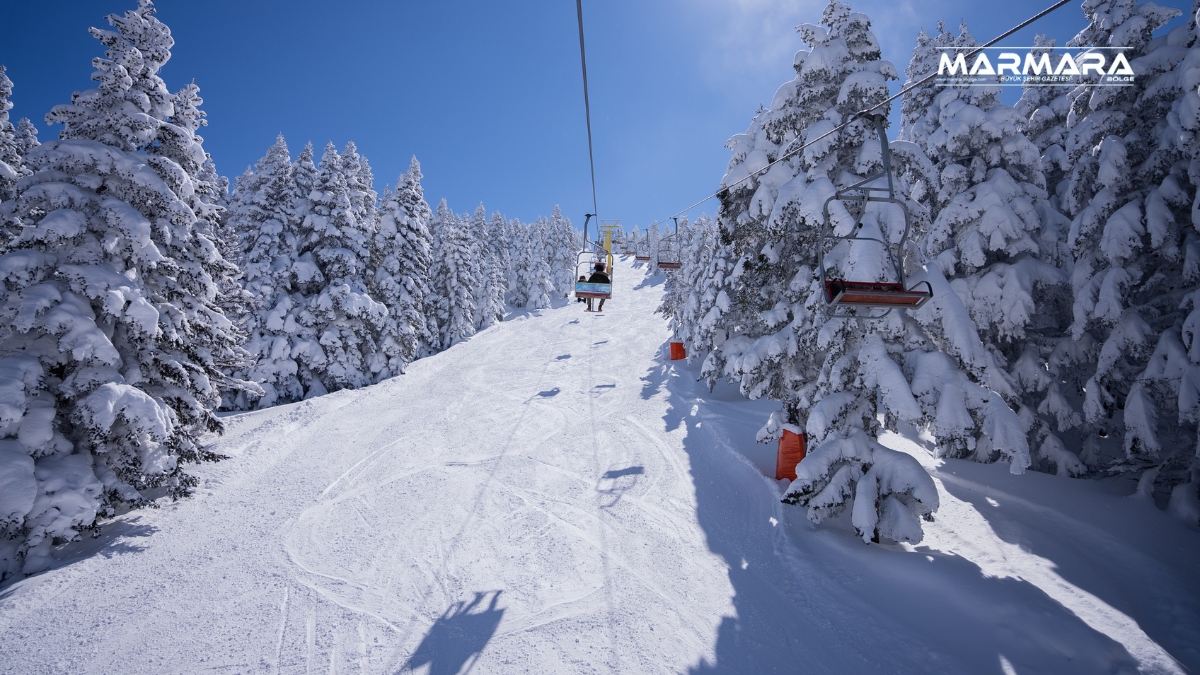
pixel 553 496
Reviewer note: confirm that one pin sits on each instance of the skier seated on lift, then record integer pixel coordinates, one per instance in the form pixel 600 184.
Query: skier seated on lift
pixel 582 279
pixel 598 277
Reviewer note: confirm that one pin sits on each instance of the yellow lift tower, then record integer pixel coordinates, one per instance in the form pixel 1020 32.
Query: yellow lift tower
pixel 609 227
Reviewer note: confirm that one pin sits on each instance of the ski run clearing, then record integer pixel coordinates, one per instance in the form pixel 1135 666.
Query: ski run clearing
pixel 555 496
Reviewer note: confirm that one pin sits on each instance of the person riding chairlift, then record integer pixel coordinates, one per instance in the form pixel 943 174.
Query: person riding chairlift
pixel 598 277
pixel 582 279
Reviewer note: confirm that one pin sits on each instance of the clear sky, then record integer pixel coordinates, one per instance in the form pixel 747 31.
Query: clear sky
pixel 487 95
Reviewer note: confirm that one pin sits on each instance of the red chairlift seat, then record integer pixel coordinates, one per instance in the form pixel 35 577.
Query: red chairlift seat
pixel 876 294
pixel 669 264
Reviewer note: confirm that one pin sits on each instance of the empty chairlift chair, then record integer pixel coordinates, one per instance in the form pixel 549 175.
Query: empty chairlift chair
pixel 642 250
pixel 668 257
pixel 867 298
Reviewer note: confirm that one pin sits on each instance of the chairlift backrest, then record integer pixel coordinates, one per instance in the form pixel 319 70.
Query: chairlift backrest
pixel 585 264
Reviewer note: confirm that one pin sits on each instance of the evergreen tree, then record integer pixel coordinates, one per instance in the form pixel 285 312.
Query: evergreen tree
pixel 109 330
pixel 706 262
pixel 453 279
pixel 402 281
pixel 265 221
pixel 536 279
pixel 498 234
pixel 304 175
pixel 520 252
pixel 1044 109
pixel 360 180
pixel 340 312
pixel 12 146
pixel 1126 197
pixel 981 256
pixel 560 241
pixel 1169 440
pixel 27 136
pixel 489 296
pixel 179 142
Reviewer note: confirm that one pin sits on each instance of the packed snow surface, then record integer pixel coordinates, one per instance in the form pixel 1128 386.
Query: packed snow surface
pixel 554 496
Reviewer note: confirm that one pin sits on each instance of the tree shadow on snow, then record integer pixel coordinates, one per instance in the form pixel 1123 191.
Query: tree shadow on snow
pixel 1150 597
pixel 818 600
pixel 117 537
pixel 651 281
pixel 512 313
pixel 763 635
pixel 458 636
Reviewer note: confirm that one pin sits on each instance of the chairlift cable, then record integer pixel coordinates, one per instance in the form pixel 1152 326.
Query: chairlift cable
pixel 866 112
pixel 587 108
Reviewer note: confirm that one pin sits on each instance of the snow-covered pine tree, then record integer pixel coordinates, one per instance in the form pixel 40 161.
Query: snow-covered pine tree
pixel 538 275
pixel 563 250
pixel 706 262
pixel 304 175
pixel 27 136
pixel 1043 109
pixel 498 234
pixel 179 142
pixel 12 149
pixel 1127 200
pixel 1170 383
pixel 842 377
pixel 109 320
pixel 361 182
pixel 489 295
pixel 339 311
pixel 980 254
pixel 264 218
pixel 404 248
pixel 529 278
pixel 453 278
pixel 1167 368
pixel 519 251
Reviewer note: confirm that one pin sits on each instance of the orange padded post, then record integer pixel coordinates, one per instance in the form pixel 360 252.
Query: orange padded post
pixel 678 351
pixel 791 451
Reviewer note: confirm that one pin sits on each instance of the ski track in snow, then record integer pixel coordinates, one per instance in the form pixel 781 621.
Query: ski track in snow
pixel 552 496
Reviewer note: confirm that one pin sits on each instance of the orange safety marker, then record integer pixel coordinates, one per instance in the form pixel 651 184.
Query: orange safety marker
pixel 678 351
pixel 791 451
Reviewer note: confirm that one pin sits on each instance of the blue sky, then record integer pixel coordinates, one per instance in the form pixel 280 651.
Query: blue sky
pixel 486 94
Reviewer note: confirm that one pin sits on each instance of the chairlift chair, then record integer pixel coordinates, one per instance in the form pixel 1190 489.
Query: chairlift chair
pixel 854 299
pixel 591 254
pixel 668 250
pixel 583 268
pixel 642 252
